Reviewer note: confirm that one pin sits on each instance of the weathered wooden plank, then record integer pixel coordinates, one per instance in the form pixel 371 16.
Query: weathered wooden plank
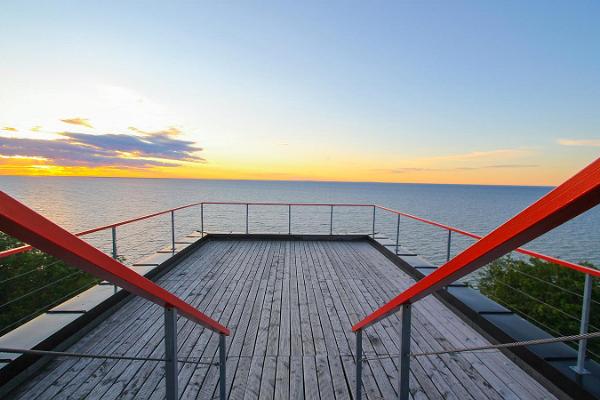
pixel 308 344
pixel 311 384
pixel 209 384
pixel 382 369
pixel 151 378
pixel 69 368
pixel 296 378
pixel 475 380
pixel 282 377
pixel 290 305
pixel 267 382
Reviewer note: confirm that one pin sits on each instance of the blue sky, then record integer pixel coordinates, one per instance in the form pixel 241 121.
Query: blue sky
pixel 392 91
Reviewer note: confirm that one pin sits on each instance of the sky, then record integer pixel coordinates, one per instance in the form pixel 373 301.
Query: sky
pixel 469 92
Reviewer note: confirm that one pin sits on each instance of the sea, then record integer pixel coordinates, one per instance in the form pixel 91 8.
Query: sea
pixel 80 203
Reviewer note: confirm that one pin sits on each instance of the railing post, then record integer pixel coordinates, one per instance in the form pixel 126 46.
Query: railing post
pixel 114 242
pixel 403 383
pixel 359 360
pixel 171 367
pixel 246 218
pixel 449 244
pixel 222 368
pixel 202 218
pixel 114 249
pixel 397 233
pixel 289 219
pixel 330 220
pixel 173 231
pixel 373 222
pixel 584 326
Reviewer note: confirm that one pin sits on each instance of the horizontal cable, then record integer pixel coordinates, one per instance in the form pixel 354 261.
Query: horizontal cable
pixel 289 356
pixel 522 313
pixel 546 282
pixel 85 355
pixel 539 323
pixel 539 301
pixel 572 338
pixel 41 309
pixel 551 284
pixel 30 271
pixel 41 288
pixel 513 344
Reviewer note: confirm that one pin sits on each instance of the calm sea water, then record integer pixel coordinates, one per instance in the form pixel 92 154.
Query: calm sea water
pixel 81 203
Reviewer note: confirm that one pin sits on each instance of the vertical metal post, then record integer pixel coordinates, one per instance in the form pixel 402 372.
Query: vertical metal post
pixel 397 233
pixel 584 326
pixel 171 368
pixel 222 368
pixel 202 218
pixel 246 218
pixel 114 249
pixel 373 222
pixel 289 219
pixel 403 383
pixel 359 360
pixel 114 242
pixel 449 244
pixel 173 231
pixel 330 220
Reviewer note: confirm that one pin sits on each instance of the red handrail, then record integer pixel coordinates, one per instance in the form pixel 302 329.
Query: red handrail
pixel 568 264
pixel 429 222
pixel 243 203
pixel 573 197
pixel 22 249
pixel 554 260
pixel 25 248
pixel 28 226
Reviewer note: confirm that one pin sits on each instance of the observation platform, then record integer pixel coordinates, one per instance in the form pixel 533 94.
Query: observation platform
pixel 290 303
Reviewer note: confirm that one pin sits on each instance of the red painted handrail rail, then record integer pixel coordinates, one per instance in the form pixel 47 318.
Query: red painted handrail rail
pixel 22 249
pixel 558 261
pixel 429 222
pixel 243 203
pixel 554 260
pixel 573 197
pixel 28 226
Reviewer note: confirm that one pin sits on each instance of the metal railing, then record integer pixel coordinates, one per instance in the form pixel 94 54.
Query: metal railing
pixel 575 196
pixel 25 224
pixel 331 206
pixel 371 229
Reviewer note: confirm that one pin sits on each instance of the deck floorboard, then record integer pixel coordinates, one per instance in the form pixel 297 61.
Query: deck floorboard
pixel 290 305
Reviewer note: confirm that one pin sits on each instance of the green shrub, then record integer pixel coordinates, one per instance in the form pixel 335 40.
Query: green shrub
pixel 546 294
pixel 32 282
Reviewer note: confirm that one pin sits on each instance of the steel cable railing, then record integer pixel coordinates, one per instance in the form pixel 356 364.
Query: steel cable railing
pixel 35 313
pixel 25 224
pixel 572 198
pixel 330 223
pixel 117 251
pixel 37 290
pixel 33 270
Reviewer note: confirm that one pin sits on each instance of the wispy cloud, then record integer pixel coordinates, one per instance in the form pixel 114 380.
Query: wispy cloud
pixel 157 146
pixel 579 142
pixel 403 170
pixel 113 150
pixel 9 129
pixel 78 121
pixel 478 155
pixel 165 132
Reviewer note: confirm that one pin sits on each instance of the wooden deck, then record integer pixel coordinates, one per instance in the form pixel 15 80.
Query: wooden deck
pixel 290 306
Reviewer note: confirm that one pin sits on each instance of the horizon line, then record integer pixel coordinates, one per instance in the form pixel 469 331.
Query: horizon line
pixel 271 180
